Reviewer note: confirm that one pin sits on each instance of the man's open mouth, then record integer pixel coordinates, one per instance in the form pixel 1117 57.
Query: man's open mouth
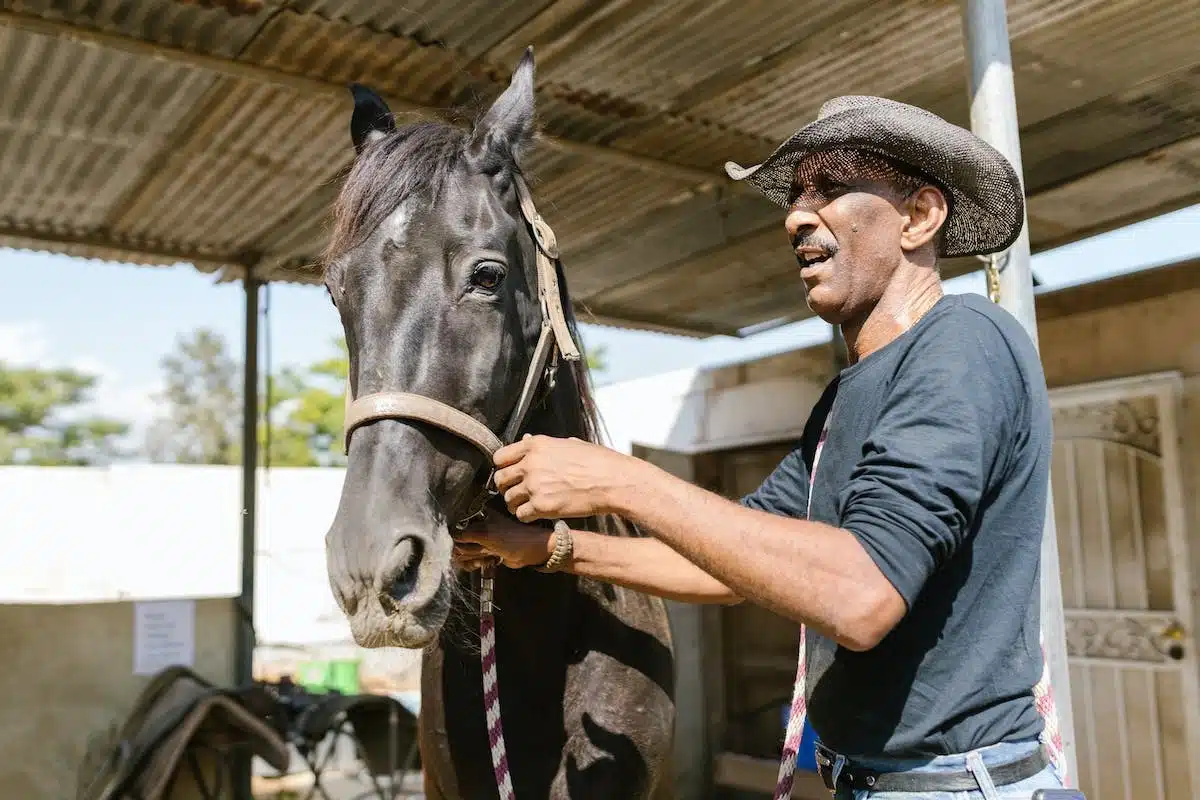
pixel 812 258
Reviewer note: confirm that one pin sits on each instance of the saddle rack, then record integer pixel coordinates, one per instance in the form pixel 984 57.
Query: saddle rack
pixel 180 717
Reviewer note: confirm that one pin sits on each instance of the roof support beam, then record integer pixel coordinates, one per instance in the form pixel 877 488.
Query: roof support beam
pixel 245 70
pixel 118 250
pixel 994 119
pixel 244 641
pixel 590 314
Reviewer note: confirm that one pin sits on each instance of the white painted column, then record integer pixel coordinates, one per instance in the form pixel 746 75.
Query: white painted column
pixel 994 119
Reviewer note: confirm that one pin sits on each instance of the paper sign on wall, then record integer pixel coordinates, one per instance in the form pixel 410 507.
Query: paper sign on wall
pixel 164 634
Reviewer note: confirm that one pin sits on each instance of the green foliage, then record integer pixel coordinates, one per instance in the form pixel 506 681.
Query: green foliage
pixel 308 413
pixel 597 358
pixel 201 401
pixel 40 424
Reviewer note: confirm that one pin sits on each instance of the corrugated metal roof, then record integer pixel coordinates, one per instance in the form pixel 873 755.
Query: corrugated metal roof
pixel 158 131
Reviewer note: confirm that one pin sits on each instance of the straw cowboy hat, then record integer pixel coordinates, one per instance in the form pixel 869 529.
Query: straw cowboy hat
pixel 987 204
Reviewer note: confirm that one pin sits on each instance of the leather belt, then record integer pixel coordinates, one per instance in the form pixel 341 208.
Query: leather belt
pixel 861 778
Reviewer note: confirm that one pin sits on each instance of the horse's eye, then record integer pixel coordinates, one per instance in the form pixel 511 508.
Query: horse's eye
pixel 487 275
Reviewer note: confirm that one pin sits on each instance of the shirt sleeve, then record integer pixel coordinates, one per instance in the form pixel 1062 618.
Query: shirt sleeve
pixel 785 490
pixel 912 498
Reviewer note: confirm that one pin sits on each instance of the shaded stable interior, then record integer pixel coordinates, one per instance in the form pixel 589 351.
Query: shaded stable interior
pixel 165 131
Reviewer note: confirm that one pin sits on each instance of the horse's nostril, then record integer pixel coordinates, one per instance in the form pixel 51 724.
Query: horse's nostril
pixel 401 578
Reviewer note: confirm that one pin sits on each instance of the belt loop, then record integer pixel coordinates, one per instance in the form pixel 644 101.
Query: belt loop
pixel 977 768
pixel 839 764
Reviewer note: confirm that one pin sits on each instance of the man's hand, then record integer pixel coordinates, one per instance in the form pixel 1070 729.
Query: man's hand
pixel 547 478
pixel 515 544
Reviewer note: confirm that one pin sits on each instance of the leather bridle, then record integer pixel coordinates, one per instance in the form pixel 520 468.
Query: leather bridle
pixel 554 342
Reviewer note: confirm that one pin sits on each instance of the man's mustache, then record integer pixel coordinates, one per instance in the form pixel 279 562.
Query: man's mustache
pixel 812 240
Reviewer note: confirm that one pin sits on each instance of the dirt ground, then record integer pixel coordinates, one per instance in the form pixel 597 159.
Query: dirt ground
pixel 337 786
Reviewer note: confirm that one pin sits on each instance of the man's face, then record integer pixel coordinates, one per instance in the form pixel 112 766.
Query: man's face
pixel 845 223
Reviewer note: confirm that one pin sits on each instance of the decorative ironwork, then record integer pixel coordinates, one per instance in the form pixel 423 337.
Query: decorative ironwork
pixel 1138 637
pixel 1132 422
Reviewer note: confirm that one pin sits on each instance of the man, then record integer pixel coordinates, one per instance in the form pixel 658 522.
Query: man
pixel 905 530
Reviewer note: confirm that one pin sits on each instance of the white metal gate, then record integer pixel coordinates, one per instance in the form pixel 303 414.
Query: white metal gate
pixel 1127 589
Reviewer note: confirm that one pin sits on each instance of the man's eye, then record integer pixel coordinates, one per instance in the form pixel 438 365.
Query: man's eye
pixel 487 276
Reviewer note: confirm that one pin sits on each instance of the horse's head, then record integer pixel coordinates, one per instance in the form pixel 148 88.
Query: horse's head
pixel 433 271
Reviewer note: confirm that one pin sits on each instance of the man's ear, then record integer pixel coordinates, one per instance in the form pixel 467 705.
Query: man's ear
pixel 371 119
pixel 927 210
pixel 506 129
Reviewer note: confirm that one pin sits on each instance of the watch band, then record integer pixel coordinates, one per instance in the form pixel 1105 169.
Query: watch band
pixel 564 546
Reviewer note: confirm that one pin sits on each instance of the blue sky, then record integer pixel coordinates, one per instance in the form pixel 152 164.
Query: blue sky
pixel 118 320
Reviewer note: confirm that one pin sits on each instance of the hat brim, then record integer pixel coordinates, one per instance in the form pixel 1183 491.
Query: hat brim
pixel 987 203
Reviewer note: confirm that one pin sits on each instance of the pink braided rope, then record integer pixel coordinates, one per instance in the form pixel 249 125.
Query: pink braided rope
pixel 1042 695
pixel 799 710
pixel 1043 699
pixel 491 688
pixel 795 726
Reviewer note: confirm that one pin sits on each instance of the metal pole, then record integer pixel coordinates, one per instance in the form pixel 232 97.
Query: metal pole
pixel 994 119
pixel 244 666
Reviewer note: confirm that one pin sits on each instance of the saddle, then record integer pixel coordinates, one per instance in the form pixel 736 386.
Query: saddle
pixel 178 716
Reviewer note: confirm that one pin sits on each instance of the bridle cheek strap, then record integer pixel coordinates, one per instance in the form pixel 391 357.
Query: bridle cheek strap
pixel 548 288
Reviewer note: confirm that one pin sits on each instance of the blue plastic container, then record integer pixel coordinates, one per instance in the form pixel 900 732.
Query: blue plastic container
pixel 806 758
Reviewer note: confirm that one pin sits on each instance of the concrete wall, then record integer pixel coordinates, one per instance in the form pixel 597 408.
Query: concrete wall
pixel 66 676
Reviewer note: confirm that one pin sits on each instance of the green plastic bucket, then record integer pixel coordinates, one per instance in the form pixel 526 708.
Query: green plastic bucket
pixel 329 675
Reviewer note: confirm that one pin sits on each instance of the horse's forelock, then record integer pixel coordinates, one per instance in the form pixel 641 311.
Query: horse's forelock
pixel 416 160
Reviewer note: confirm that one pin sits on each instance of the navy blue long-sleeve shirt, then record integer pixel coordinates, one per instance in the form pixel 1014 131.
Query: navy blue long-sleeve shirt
pixel 937 460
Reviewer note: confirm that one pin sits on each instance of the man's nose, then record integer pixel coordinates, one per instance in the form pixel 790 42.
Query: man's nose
pixel 799 219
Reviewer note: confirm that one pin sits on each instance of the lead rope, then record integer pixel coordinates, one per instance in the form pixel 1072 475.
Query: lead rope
pixel 491 685
pixel 799 710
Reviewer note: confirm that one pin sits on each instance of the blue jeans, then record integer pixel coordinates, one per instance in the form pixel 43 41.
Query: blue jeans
pixel 976 762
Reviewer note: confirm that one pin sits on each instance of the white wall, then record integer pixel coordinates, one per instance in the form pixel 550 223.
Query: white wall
pixel 694 411
pixel 92 535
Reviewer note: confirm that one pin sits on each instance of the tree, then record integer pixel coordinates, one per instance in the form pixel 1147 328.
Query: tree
pixel 597 358
pixel 40 423
pixel 202 419
pixel 312 405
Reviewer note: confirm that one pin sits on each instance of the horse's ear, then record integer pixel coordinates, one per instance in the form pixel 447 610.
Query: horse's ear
pixel 507 127
pixel 371 120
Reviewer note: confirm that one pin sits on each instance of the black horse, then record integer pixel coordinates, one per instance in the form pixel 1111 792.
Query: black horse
pixel 432 269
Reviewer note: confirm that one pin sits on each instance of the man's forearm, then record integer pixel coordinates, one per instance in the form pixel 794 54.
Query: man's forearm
pixel 645 565
pixel 807 571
